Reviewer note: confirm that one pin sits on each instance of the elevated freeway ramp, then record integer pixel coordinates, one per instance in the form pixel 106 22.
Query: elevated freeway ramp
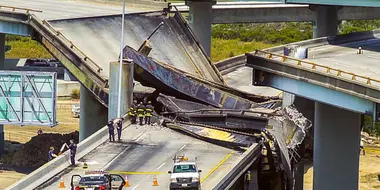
pixel 146 151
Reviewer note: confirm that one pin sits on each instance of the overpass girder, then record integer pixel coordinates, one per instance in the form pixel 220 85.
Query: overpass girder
pixel 15 28
pixel 316 86
pixel 74 61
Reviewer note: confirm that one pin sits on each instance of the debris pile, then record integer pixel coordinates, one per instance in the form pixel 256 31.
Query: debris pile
pixel 367 139
pixel 35 152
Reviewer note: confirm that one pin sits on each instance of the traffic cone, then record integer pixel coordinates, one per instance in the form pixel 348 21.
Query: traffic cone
pixel 62 183
pixel 85 166
pixel 155 182
pixel 126 181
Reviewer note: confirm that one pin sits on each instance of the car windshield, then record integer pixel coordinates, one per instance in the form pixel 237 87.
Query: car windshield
pixel 92 180
pixel 184 168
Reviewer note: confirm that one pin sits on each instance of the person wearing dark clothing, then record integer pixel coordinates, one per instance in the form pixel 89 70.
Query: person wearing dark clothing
pixel 141 112
pixel 119 128
pixel 51 154
pixel 73 151
pixel 40 132
pixel 111 131
pixel 148 112
pixel 132 115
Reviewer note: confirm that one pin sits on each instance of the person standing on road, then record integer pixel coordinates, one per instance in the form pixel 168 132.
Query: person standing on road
pixel 148 112
pixel 119 128
pixel 247 179
pixel 362 147
pixel 141 112
pixel 111 130
pixel 73 151
pixel 51 154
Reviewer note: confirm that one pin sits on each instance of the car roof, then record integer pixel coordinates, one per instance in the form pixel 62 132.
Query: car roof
pixel 184 163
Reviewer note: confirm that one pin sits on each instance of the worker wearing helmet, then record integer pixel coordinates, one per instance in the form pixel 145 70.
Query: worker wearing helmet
pixel 148 112
pixel 51 154
pixel 141 112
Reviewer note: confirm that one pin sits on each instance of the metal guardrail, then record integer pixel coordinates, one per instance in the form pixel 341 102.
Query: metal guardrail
pixel 19 8
pixel 315 66
pixel 72 45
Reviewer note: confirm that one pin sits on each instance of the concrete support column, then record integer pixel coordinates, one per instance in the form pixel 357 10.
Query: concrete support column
pixel 93 115
pixel 2 62
pixel 336 148
pixel 200 21
pixel 327 21
pixel 306 107
pixel 126 90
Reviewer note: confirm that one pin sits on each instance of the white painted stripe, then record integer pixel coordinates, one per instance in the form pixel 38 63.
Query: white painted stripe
pixel 160 166
pixel 182 147
pixel 135 186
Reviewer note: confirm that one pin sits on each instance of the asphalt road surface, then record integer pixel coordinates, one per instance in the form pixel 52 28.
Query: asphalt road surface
pixel 146 149
pixel 241 79
pixel 345 58
pixel 64 9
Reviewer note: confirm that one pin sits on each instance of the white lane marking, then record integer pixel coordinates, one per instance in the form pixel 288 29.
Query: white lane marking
pixel 182 147
pixel 160 166
pixel 121 153
pixel 135 186
pixel 142 134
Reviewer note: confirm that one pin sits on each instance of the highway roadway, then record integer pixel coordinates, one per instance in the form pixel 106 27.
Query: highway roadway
pixel 146 149
pixel 64 9
pixel 345 58
pixel 241 78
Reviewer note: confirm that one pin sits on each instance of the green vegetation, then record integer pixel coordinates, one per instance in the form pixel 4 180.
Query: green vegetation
pixel 369 128
pixel 25 47
pixel 222 49
pixel 75 94
pixel 272 33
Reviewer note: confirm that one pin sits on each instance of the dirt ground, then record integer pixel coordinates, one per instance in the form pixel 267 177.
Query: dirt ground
pixel 369 168
pixel 66 124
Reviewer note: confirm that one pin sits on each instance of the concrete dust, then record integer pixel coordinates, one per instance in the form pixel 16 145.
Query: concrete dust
pixel 368 169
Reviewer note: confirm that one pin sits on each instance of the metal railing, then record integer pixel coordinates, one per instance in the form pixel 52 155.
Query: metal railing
pixel 318 67
pixel 19 8
pixel 72 45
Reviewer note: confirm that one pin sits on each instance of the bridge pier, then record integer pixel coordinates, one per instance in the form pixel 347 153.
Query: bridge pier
pixel 93 115
pixel 326 23
pixel 126 91
pixel 336 148
pixel 200 21
pixel 2 62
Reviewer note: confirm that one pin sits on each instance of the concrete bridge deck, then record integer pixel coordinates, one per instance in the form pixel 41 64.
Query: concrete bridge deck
pixel 148 150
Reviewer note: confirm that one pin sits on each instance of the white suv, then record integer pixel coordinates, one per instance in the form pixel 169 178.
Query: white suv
pixel 185 175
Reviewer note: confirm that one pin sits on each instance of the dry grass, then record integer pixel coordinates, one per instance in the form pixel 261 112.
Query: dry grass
pixel 9 177
pixel 368 170
pixel 24 134
pixel 66 124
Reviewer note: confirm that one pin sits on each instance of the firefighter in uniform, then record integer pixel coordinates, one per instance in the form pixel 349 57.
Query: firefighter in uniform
pixel 247 179
pixel 148 112
pixel 132 114
pixel 141 112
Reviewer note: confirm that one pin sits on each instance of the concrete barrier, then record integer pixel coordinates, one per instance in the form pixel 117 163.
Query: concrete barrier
pixel 240 166
pixel 65 88
pixel 52 168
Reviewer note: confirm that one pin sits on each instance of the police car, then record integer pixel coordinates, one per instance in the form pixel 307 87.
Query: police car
pixel 97 180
